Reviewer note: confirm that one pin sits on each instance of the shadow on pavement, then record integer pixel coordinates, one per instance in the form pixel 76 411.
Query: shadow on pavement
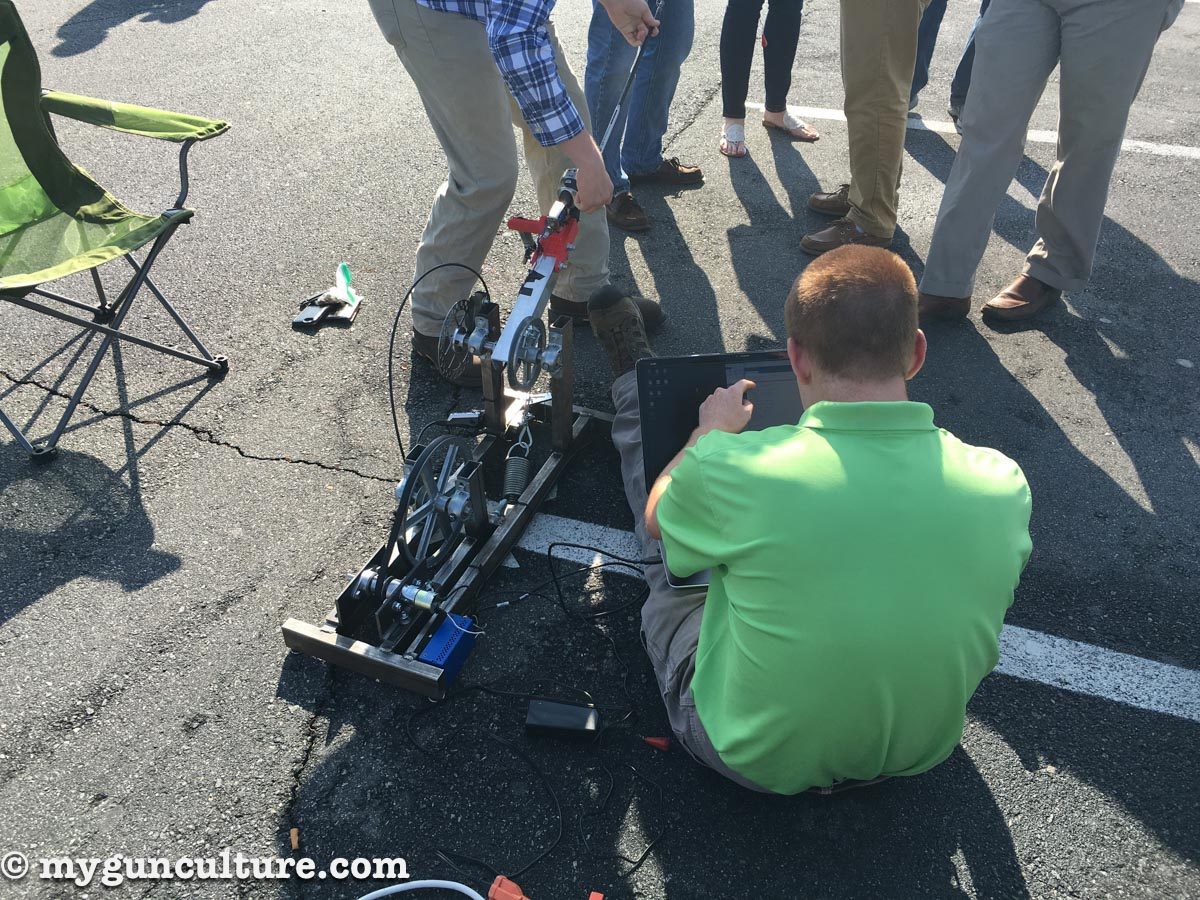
pixel 74 515
pixel 1144 761
pixel 369 790
pixel 73 518
pixel 89 27
pixel 1103 572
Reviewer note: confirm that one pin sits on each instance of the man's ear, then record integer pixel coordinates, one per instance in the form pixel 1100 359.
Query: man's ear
pixel 801 362
pixel 920 346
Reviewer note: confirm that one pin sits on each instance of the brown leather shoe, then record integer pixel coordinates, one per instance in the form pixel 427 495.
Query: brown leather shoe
pixel 625 213
pixel 426 348
pixel 839 233
pixel 652 313
pixel 946 309
pixel 831 203
pixel 1023 299
pixel 671 171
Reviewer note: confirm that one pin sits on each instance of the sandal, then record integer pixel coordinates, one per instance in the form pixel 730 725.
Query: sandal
pixel 795 129
pixel 733 140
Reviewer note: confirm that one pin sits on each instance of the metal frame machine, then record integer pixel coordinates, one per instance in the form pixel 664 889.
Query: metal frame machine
pixel 405 618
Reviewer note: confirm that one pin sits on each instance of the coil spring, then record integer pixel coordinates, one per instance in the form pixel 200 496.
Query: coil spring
pixel 516 476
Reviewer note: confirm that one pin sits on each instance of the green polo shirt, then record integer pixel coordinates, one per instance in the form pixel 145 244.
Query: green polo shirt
pixel 862 563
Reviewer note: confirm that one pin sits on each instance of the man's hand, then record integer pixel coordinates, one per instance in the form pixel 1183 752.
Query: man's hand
pixel 594 187
pixel 632 18
pixel 726 409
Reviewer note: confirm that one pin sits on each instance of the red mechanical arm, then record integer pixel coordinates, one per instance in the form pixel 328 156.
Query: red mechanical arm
pixel 556 243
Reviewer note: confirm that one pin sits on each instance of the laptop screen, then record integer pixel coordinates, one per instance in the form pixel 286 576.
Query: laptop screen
pixel 671 389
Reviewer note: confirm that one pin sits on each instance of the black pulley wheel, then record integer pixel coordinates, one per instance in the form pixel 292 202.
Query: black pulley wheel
pixel 423 528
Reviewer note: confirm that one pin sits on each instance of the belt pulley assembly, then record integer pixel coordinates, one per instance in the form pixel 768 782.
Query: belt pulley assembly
pixel 405 618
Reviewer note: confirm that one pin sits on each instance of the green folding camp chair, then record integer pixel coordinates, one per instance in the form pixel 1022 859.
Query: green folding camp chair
pixel 56 221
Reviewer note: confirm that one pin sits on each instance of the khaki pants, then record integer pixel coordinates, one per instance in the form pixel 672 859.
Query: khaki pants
pixel 472 114
pixel 879 52
pixel 670 618
pixel 1103 48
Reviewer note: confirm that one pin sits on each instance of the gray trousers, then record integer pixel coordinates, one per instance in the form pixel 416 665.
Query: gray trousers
pixel 472 114
pixel 1102 48
pixel 670 617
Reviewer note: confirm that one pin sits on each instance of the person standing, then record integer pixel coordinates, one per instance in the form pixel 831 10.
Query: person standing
pixel 879 50
pixel 634 152
pixel 781 33
pixel 931 23
pixel 927 40
pixel 927 35
pixel 480 68
pixel 1102 49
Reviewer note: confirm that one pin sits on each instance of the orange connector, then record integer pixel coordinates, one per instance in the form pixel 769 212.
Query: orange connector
pixel 504 889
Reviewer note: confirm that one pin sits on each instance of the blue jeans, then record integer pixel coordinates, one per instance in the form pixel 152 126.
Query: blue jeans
pixel 931 23
pixel 962 76
pixel 635 147
pixel 927 35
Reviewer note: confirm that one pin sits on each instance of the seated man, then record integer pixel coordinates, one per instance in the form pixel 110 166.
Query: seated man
pixel 862 560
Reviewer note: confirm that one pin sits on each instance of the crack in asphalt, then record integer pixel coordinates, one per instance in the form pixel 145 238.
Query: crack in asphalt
pixel 697 112
pixel 204 435
pixel 312 729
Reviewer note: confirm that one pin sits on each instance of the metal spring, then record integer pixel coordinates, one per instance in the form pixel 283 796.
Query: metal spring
pixel 516 476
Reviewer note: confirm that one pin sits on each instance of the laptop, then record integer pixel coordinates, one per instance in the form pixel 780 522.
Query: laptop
pixel 671 389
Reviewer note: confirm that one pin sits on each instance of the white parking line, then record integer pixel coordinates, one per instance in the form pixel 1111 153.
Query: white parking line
pixel 1035 135
pixel 1030 655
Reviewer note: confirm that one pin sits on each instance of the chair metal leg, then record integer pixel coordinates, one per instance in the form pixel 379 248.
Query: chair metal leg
pixel 97 311
pixel 17 433
pixel 52 441
pixel 104 312
pixel 214 364
pixel 183 326
pixel 124 304
pixel 116 311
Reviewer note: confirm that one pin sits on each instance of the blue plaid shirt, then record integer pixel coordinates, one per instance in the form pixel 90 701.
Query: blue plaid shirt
pixel 517 36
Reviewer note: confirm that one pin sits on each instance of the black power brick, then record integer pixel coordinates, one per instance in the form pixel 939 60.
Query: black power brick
pixel 551 718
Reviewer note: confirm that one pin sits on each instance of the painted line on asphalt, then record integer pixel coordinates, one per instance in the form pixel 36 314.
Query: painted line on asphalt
pixel 1026 654
pixel 1036 135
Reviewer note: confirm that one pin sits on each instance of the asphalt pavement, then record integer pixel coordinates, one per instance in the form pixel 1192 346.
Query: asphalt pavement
pixel 150 708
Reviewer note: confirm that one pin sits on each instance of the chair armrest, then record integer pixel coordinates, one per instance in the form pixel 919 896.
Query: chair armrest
pixel 154 123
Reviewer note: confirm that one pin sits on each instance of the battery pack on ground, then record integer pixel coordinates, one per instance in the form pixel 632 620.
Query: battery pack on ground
pixel 549 718
pixel 450 645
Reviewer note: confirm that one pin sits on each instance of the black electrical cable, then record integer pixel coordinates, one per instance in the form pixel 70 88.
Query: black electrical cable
pixel 449 425
pixel 634 864
pixel 627 712
pixel 536 590
pixel 534 767
pixel 392 340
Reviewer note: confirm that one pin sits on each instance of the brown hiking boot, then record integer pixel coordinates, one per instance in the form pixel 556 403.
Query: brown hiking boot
pixel 831 203
pixel 618 326
pixel 839 233
pixel 671 171
pixel 426 348
pixel 652 313
pixel 625 213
